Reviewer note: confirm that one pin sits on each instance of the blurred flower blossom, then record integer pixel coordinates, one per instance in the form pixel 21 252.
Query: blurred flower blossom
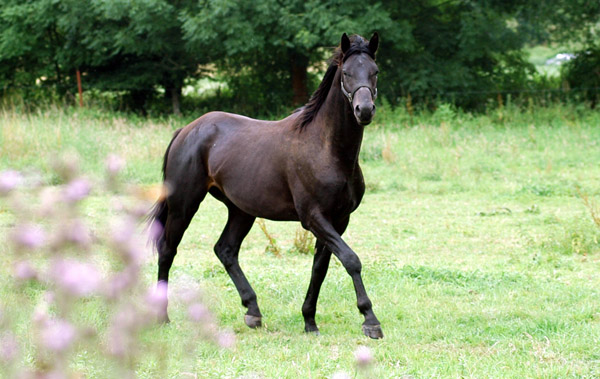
pixel 9 347
pixel 77 232
pixel 29 236
pixel 57 335
pixel 49 198
pixel 9 180
pixel 155 230
pixel 198 312
pixel 157 298
pixel 363 356
pixel 226 340
pixel 24 271
pixel 58 228
pixel 123 230
pixel 121 281
pixel 124 238
pixel 125 323
pixel 114 164
pixel 76 278
pixel 76 190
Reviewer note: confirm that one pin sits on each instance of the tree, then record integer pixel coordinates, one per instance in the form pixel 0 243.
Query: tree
pixel 459 51
pixel 456 51
pixel 266 47
pixel 118 45
pixel 30 44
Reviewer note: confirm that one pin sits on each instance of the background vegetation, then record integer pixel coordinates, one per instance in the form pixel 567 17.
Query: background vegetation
pixel 265 56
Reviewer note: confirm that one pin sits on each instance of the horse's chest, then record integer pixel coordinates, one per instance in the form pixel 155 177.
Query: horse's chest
pixel 345 194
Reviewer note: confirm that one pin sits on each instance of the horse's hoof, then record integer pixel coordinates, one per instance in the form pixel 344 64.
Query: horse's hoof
pixel 253 321
pixel 163 319
pixel 373 331
pixel 312 330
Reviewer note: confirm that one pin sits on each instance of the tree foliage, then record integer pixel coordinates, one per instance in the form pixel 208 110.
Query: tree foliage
pixel 270 53
pixel 265 47
pixel 132 46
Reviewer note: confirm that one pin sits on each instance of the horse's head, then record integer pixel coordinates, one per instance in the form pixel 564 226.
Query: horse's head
pixel 359 76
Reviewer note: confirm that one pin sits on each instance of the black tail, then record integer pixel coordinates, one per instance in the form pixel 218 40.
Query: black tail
pixel 160 210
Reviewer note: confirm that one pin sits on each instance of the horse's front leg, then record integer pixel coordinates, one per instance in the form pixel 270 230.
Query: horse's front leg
pixel 324 231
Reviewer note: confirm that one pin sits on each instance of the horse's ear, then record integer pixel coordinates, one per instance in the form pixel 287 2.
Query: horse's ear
pixel 374 43
pixel 345 43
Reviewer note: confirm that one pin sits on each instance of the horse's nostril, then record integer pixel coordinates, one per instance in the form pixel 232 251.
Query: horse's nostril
pixel 357 109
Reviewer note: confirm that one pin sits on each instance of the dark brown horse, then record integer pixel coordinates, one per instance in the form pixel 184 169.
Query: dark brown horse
pixel 302 168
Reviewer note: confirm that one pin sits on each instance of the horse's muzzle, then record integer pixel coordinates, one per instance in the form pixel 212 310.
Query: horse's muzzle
pixel 364 106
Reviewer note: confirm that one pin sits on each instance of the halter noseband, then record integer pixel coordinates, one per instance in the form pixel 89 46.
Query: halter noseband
pixel 350 96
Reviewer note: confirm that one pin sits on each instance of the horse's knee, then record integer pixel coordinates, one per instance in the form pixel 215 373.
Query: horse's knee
pixel 352 264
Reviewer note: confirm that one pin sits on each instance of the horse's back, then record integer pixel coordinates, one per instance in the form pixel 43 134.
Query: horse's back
pixel 243 158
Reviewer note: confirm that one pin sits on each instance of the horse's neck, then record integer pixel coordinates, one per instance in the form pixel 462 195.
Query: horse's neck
pixel 339 126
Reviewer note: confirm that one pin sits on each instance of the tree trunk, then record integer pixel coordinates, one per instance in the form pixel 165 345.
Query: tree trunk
pixel 176 100
pixel 299 67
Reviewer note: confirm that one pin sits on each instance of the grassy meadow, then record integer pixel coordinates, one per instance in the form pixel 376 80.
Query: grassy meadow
pixel 477 234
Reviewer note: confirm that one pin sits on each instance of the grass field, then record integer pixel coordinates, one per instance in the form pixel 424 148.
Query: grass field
pixel 480 255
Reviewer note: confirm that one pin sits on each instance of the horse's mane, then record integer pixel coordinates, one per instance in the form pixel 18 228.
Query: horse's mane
pixel 309 111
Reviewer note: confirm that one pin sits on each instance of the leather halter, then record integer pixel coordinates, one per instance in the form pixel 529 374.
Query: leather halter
pixel 350 96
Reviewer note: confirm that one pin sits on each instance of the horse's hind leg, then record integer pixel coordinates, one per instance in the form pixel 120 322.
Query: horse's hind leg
pixel 182 207
pixel 227 248
pixel 319 270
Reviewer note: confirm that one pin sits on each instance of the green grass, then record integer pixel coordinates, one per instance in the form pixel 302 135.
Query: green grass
pixel 478 252
pixel 539 54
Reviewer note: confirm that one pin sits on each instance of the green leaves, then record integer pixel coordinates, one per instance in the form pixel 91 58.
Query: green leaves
pixel 453 51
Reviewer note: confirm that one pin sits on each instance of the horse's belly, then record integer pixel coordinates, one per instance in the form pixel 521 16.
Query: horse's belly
pixel 265 197
pixel 266 205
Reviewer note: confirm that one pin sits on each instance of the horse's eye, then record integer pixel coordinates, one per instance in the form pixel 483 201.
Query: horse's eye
pixel 347 75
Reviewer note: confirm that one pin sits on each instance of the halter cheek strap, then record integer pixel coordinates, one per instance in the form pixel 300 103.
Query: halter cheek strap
pixel 350 96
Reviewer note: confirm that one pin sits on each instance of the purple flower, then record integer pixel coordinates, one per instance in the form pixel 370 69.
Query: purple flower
pixel 363 356
pixel 78 233
pixel 75 278
pixel 157 298
pixel 155 230
pixel 9 180
pixel 23 271
pixel 9 347
pixel 121 281
pixel 29 236
pixel 49 198
pixel 114 164
pixel 226 340
pixel 123 236
pixel 57 335
pixel 123 231
pixel 198 312
pixel 125 323
pixel 76 190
